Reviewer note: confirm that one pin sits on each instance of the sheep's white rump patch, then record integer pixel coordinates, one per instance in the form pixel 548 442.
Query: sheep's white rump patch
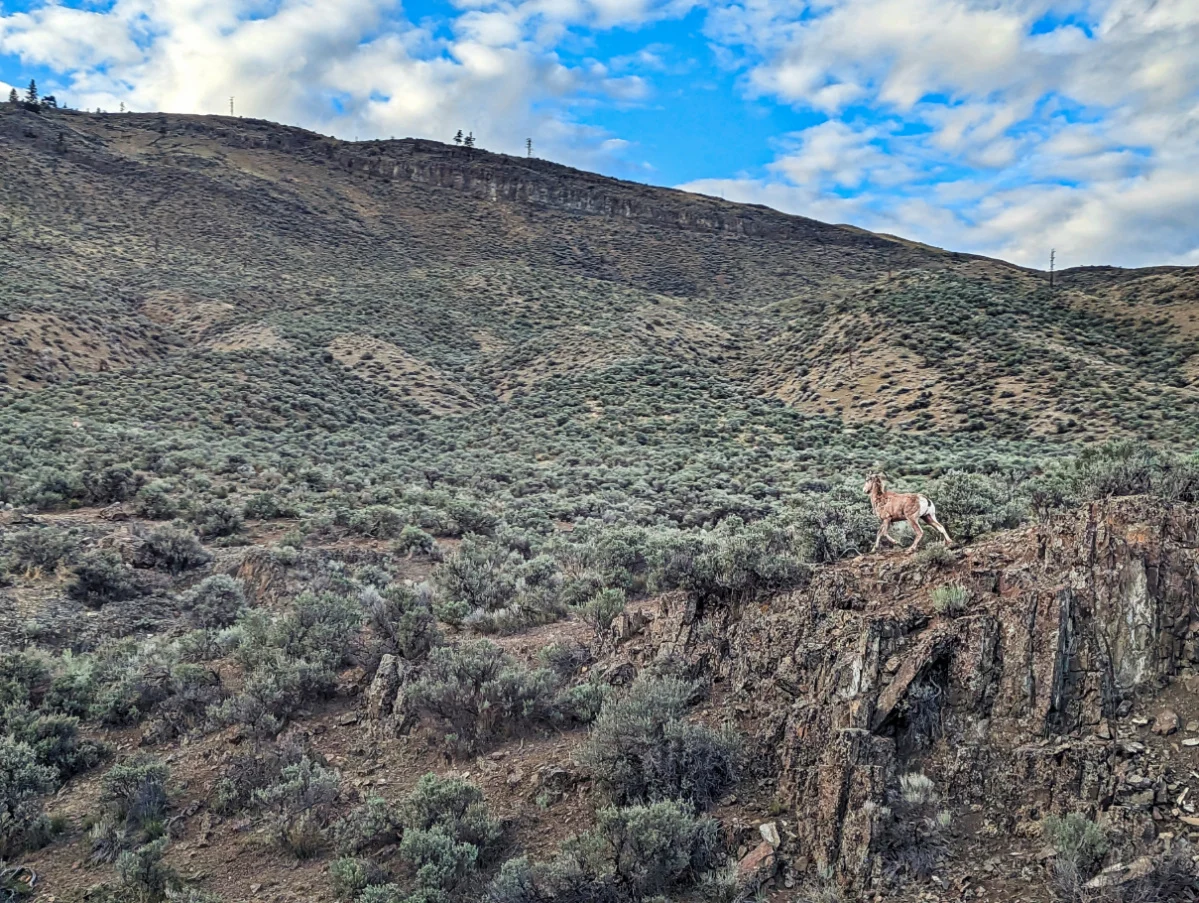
pixel 926 507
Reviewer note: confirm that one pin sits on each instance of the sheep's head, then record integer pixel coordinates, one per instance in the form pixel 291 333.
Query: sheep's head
pixel 874 483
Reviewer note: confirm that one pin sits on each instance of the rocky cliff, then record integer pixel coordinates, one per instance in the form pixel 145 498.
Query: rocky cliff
pixel 1022 705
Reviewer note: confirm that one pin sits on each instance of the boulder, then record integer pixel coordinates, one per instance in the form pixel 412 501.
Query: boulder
pixel 1166 723
pixel 757 867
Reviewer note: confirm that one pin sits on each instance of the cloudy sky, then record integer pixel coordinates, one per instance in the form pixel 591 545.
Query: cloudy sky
pixel 1005 127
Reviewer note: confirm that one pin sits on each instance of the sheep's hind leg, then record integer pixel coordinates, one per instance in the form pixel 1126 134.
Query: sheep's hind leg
pixel 937 525
pixel 915 524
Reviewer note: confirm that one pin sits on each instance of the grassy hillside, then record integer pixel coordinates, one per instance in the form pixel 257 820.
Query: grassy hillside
pixel 386 308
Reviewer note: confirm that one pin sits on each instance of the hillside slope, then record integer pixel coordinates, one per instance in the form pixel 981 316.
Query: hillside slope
pixel 159 240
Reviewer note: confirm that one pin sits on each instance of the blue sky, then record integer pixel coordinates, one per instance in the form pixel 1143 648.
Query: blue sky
pixel 1004 127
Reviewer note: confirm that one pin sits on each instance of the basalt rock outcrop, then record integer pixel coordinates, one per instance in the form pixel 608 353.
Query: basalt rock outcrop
pixel 856 678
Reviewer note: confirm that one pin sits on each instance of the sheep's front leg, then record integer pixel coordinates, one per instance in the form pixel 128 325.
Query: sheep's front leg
pixel 915 523
pixel 882 532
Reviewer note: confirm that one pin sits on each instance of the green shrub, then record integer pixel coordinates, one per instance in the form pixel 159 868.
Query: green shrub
pixel 175 550
pixel 378 521
pixel 478 693
pixel 1076 839
pixel 133 807
pixel 447 832
pixel 631 855
pixel 440 860
pixel 299 806
pixel 952 599
pixel 972 504
pixel 401 622
pixel 275 691
pixel 351 876
pixel 218 519
pixel 153 502
pixel 374 824
pixel 143 873
pixel 319 628
pixel 253 770
pixel 413 540
pixel 581 703
pixel 641 750
pixel 54 739
pixel 21 676
pixel 565 659
pixel 733 563
pixel 22 782
pixel 39 549
pixel 913 839
pixel 603 608
pixel 267 506
pixel 834 526
pixel 654 848
pixel 101 577
pixel 116 483
pixel 215 602
pixel 451 805
pixel 480 575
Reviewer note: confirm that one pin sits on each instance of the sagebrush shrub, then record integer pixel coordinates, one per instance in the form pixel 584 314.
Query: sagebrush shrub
pixel 218 519
pixel 101 576
pixel 631 855
pixel 133 807
pixel 952 599
pixel 175 550
pixel 319 628
pixel 373 824
pixel 1077 840
pixel 275 691
pixel 452 805
pixel 299 806
pixel 22 674
pixel 153 502
pixel 479 575
pixel 641 750
pixel 378 521
pixel 447 831
pixel 143 873
pixel 603 608
pixel 733 563
pixel 914 838
pixel 350 876
pixel 479 693
pixel 214 602
pixel 22 782
pixel 401 622
pixel 253 770
pixel 54 739
pixel 37 549
pixel 972 504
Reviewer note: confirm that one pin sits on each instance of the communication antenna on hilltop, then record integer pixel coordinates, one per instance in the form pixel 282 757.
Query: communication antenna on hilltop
pixel 230 106
pixel 1052 261
pixel 529 147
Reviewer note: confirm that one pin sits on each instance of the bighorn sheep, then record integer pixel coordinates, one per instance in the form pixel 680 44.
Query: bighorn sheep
pixel 909 506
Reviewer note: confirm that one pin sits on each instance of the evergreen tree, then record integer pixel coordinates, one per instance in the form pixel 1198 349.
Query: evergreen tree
pixel 49 102
pixel 12 96
pixel 469 140
pixel 31 92
pixel 458 137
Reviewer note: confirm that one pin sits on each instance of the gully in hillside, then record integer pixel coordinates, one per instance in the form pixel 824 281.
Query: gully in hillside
pixel 909 506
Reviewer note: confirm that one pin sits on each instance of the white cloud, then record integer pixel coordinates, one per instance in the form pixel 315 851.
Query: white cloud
pixel 355 68
pixel 951 122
